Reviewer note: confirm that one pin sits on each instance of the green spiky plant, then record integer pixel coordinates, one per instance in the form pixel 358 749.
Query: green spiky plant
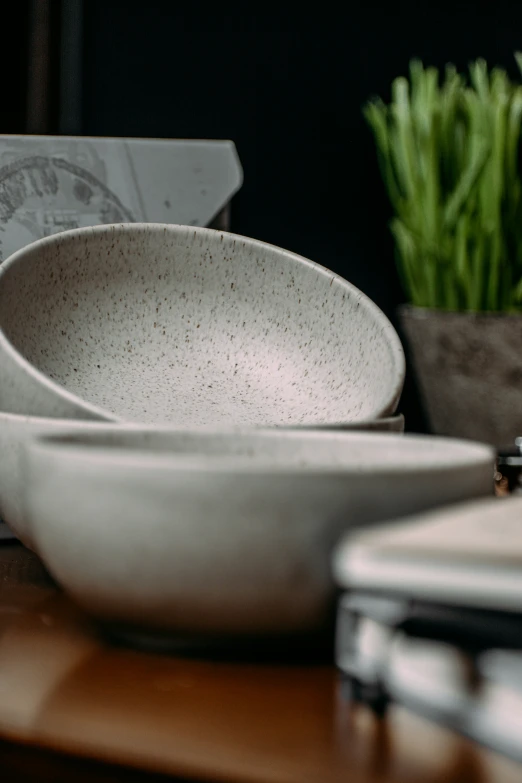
pixel 448 148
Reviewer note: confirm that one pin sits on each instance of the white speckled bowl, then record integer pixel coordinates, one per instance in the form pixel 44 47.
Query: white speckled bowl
pixel 173 324
pixel 225 532
pixel 17 430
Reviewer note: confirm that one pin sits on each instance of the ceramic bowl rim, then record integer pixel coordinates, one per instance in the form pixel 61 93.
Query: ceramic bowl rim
pixel 29 418
pixel 392 339
pixel 74 445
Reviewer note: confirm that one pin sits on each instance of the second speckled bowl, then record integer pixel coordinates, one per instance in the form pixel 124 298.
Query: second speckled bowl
pixel 157 324
pixel 17 430
pixel 221 533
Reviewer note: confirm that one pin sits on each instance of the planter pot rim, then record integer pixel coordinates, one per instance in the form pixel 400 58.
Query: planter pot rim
pixel 433 312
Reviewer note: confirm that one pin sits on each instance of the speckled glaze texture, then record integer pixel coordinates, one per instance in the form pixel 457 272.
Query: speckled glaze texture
pixel 225 533
pixel 469 370
pixel 154 323
pixel 17 430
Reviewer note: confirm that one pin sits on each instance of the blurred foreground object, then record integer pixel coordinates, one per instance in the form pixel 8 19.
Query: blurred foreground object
pixel 432 619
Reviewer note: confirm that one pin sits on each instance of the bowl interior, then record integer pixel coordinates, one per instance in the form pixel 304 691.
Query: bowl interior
pixel 191 326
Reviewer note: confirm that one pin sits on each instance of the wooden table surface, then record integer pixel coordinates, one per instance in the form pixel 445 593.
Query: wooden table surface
pixel 73 708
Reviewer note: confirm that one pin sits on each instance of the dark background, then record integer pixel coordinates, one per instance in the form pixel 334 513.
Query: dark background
pixel 286 87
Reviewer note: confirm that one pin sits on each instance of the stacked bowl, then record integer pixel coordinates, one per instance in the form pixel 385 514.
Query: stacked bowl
pixel 181 426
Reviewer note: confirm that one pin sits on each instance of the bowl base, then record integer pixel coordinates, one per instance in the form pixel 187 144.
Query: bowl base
pixel 300 647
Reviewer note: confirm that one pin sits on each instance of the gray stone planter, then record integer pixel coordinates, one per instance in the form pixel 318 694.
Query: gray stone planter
pixel 469 371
